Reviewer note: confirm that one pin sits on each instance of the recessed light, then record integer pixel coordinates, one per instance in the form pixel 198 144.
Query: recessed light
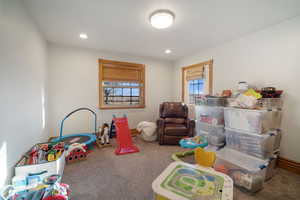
pixel 162 19
pixel 83 36
pixel 168 51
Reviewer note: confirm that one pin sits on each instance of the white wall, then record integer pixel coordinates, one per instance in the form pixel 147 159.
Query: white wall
pixel 73 80
pixel 22 85
pixel 266 58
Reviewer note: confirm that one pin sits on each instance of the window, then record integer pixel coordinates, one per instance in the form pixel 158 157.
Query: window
pixel 196 88
pixel 122 85
pixel 196 81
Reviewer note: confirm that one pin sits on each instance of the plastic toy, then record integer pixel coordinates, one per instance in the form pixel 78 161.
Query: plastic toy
pixel 193 142
pixel 33 156
pixel 51 155
pixel 85 138
pixel 49 189
pixel 124 139
pixel 182 181
pixel 104 134
pixel 76 152
pixel 251 92
pixel 178 155
pixel 19 182
pixel 204 158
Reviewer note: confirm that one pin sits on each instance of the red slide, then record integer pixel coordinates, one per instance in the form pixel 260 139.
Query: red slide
pixel 124 140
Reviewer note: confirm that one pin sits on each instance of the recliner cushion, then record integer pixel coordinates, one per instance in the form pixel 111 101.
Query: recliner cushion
pixel 174 120
pixel 176 130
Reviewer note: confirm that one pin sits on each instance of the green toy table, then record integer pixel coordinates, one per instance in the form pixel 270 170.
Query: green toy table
pixel 182 181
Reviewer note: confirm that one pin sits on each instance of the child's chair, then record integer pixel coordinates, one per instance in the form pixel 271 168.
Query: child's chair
pixel 204 158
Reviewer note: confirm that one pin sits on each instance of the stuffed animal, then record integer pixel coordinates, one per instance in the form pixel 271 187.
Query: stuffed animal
pixel 104 134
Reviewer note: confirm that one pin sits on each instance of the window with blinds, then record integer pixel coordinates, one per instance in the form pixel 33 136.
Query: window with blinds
pixel 122 85
pixel 196 81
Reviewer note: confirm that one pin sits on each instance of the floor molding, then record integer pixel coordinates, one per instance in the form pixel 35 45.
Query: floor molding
pixel 289 165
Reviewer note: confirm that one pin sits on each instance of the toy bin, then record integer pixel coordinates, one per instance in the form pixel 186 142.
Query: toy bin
pixel 202 133
pixel 247 172
pixel 252 121
pixel 218 129
pixel 212 101
pixel 44 169
pixel 270 103
pixel 261 146
pixel 217 140
pixel 213 115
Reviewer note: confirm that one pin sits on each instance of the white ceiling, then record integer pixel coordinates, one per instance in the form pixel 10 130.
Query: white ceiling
pixel 123 25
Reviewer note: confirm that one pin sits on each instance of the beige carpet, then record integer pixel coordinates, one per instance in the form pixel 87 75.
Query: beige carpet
pixel 105 176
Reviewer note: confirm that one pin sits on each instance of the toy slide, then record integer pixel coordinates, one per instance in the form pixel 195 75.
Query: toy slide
pixel 124 140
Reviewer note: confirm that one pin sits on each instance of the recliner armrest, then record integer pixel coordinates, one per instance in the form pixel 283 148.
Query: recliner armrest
pixel 160 129
pixel 160 122
pixel 191 124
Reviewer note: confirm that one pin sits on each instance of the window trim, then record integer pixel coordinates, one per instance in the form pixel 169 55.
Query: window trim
pixel 210 77
pixel 136 66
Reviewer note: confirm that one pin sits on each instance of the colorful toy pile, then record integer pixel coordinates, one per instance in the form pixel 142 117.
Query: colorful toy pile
pixel 48 189
pixel 42 153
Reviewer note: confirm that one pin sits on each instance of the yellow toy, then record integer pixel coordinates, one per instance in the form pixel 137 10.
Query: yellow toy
pixel 51 156
pixel 253 93
pixel 204 158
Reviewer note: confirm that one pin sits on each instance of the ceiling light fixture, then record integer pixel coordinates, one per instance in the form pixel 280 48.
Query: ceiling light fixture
pixel 162 19
pixel 168 51
pixel 83 36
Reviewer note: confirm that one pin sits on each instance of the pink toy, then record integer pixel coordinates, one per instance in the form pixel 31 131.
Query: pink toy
pixel 124 140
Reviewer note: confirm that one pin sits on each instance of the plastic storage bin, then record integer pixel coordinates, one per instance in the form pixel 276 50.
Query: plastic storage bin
pixel 254 121
pixel 53 167
pixel 218 129
pixel 270 103
pixel 214 134
pixel 247 172
pixel 261 146
pixel 217 140
pixel 212 101
pixel 271 169
pixel 213 115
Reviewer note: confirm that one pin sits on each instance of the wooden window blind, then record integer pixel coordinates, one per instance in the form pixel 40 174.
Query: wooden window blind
pixel 122 85
pixel 195 72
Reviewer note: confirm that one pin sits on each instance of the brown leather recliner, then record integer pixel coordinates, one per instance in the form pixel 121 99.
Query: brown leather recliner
pixel 174 124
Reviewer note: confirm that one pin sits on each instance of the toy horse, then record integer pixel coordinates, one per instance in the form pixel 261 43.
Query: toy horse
pixel 104 134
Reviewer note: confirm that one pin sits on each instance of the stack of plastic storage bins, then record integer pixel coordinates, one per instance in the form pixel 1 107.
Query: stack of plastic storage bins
pixel 210 121
pixel 252 136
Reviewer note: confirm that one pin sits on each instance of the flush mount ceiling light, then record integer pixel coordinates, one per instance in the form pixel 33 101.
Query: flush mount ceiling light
pixel 162 19
pixel 168 51
pixel 83 36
